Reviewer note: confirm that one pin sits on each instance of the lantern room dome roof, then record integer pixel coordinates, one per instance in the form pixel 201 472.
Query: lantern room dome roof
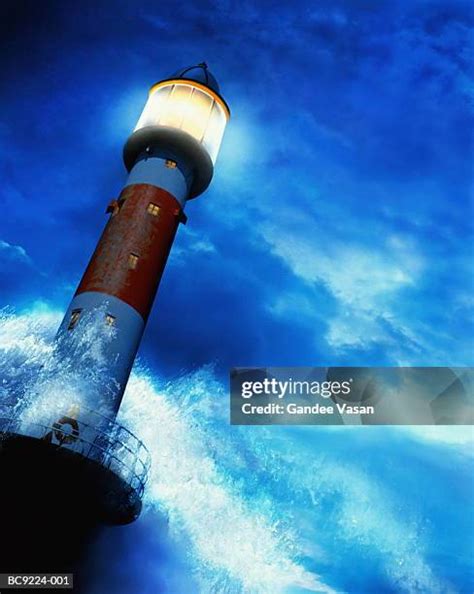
pixel 199 73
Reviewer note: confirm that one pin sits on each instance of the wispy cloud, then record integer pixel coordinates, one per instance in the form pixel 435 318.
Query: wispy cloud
pixel 15 252
pixel 366 281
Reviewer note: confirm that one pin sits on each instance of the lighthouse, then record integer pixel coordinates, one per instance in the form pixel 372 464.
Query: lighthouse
pixel 67 465
pixel 170 158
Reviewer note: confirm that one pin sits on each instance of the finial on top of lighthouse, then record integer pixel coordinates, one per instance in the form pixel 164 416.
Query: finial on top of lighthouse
pixel 199 73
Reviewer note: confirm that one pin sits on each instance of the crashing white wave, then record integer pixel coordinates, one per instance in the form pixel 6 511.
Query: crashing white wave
pixel 234 548
pixel 245 503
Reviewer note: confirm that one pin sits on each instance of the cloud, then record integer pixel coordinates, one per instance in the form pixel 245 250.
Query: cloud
pixel 460 436
pixel 192 242
pixel 14 252
pixel 365 281
pixel 356 275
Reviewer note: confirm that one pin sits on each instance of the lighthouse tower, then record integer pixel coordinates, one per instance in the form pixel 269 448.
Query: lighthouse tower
pixel 170 158
pixel 66 463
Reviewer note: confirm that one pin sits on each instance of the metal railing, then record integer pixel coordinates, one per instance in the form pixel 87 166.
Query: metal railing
pixel 91 435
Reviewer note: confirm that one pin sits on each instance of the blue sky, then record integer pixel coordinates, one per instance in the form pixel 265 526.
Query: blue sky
pixel 338 228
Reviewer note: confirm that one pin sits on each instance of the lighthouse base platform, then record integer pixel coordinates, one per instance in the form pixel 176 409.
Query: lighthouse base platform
pixel 59 483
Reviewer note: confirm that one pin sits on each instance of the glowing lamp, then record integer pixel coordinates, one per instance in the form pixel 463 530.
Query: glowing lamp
pixel 187 115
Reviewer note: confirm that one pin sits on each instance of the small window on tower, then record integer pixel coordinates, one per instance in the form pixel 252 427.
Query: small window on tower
pixel 170 164
pixel 110 320
pixel 132 261
pixel 153 209
pixel 75 315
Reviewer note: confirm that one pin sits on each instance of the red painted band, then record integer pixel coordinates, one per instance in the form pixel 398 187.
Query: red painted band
pixel 133 230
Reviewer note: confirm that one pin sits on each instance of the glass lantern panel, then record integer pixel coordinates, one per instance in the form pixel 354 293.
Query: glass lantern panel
pixel 174 110
pixel 197 114
pixel 155 106
pixel 215 131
